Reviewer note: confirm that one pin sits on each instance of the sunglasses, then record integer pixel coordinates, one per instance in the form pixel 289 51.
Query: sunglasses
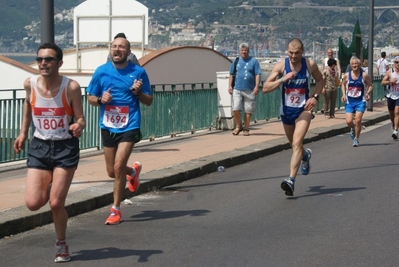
pixel 47 59
pixel 396 62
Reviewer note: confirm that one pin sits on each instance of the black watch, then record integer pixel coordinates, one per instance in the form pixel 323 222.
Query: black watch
pixel 99 100
pixel 316 96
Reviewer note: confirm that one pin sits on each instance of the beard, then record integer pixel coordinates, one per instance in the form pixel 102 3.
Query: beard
pixel 119 62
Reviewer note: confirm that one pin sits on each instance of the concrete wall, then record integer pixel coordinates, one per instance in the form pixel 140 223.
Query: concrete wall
pixel 14 73
pixel 185 64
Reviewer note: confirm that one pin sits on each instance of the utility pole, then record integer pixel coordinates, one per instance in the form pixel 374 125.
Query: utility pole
pixel 47 21
pixel 370 50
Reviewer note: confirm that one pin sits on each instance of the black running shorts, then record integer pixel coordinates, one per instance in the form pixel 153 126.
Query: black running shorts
pixel 48 154
pixel 113 139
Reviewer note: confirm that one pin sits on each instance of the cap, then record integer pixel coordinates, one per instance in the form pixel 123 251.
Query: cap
pixel 396 58
pixel 120 35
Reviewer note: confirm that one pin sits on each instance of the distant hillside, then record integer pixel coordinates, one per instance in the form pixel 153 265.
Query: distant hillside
pixel 16 14
pixel 313 25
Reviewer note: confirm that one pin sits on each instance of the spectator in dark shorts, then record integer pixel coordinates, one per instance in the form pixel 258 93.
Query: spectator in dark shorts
pixel 54 104
pixel 391 81
pixel 118 87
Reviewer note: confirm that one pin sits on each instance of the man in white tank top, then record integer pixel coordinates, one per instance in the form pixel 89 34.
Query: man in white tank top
pixel 391 79
pixel 54 104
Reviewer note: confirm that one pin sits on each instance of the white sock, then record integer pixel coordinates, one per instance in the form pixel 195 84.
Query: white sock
pixel 115 207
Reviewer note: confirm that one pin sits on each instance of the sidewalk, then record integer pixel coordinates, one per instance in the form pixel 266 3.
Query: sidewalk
pixel 165 161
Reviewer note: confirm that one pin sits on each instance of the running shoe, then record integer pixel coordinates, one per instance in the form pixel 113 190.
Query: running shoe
pixel 133 183
pixel 355 142
pixel 395 134
pixel 305 164
pixel 288 186
pixel 114 218
pixel 352 134
pixel 61 252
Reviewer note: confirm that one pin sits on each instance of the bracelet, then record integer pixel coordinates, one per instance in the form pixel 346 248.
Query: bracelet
pixel 282 80
pixel 99 101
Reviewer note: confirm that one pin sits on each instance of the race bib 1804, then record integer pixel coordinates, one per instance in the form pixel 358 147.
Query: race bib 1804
pixel 50 119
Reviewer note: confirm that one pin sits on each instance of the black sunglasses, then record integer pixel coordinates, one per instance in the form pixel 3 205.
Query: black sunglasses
pixel 396 62
pixel 47 59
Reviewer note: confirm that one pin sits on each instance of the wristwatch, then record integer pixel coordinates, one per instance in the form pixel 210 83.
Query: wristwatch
pixel 316 96
pixel 99 101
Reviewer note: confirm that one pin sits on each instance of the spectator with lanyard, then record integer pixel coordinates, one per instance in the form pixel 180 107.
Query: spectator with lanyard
pixel 246 73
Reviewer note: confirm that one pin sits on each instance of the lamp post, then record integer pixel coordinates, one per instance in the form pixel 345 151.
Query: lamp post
pixel 370 50
pixel 47 21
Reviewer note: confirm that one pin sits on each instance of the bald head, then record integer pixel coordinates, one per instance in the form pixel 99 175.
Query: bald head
pixel 296 43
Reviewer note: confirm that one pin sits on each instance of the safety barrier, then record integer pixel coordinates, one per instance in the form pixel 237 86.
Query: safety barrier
pixel 177 108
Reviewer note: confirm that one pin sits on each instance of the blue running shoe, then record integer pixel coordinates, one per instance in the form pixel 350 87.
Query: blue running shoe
pixel 305 164
pixel 288 186
pixel 352 134
pixel 355 142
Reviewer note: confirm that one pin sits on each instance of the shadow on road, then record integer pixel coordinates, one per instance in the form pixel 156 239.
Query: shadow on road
pixel 111 252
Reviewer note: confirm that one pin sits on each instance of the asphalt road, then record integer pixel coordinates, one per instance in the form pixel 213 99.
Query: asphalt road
pixel 344 213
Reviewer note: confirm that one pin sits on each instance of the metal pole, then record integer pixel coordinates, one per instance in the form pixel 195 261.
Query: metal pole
pixel 47 21
pixel 313 53
pixel 371 48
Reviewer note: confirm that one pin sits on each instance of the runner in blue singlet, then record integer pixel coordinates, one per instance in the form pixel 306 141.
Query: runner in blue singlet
pixel 292 76
pixel 356 88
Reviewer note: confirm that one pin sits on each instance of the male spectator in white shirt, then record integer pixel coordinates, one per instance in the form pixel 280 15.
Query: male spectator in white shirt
pixel 381 64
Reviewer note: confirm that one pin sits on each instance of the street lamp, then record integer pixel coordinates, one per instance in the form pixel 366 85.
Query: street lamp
pixel 371 48
pixel 47 21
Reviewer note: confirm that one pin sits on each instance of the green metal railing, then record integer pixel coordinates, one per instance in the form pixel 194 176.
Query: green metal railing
pixel 176 108
pixel 179 108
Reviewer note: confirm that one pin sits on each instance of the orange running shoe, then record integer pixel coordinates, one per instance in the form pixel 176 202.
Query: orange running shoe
pixel 134 182
pixel 115 217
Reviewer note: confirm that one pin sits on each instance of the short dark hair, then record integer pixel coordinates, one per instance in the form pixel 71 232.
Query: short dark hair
pixel 331 62
pixel 296 41
pixel 383 54
pixel 120 35
pixel 56 48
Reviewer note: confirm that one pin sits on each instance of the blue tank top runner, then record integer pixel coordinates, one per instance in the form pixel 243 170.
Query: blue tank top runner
pixel 295 92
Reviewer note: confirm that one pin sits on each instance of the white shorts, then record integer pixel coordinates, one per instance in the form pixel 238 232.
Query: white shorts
pixel 246 98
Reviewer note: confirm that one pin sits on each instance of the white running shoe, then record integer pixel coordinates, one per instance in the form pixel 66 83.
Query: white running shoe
pixel 395 134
